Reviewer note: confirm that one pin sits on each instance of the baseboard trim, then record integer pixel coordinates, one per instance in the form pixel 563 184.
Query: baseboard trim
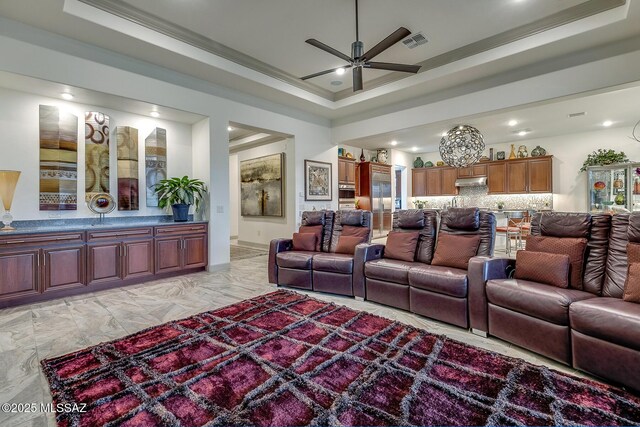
pixel 218 267
pixel 253 244
pixel 479 333
pixel 233 237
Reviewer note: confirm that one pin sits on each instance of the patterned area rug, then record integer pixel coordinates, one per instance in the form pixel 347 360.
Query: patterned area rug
pixel 287 359
pixel 244 252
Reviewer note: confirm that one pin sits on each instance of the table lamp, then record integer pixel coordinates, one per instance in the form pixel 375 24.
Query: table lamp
pixel 8 181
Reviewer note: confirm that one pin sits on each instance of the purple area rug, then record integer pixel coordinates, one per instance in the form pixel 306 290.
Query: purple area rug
pixel 287 359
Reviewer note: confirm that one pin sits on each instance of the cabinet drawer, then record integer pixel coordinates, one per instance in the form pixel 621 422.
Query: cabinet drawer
pixel 171 230
pixel 119 234
pixel 8 242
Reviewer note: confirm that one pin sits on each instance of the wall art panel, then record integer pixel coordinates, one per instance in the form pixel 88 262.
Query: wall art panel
pixel 96 143
pixel 58 159
pixel 155 152
pixel 127 146
pixel 261 186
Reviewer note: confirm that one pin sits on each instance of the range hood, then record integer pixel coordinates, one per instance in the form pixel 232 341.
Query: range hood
pixel 471 182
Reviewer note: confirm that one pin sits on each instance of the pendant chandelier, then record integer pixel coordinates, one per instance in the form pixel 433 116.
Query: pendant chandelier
pixel 462 146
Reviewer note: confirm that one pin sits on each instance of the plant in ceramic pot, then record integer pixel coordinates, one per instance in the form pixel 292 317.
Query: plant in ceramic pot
pixel 180 194
pixel 604 157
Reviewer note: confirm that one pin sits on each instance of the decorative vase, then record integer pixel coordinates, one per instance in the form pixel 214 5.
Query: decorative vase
pixel 180 212
pixel 382 155
pixel 620 199
pixel 512 155
pixel 439 163
pixel 522 152
pixel 617 183
pixel 500 155
pixel 362 158
pixel 538 151
pixel 418 163
pixel 491 154
pixel 428 164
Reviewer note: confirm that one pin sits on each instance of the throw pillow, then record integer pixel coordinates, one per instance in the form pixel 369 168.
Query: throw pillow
pixel 543 267
pixel 633 252
pixel 455 250
pixel 351 230
pixel 401 245
pixel 347 244
pixel 572 246
pixel 632 284
pixel 304 242
pixel 315 229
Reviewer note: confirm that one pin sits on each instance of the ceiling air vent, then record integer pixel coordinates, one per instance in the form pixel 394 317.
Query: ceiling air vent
pixel 415 40
pixel 581 113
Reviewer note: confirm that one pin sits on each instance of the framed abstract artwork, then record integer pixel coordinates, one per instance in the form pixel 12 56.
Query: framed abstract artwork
pixel 58 159
pixel 127 147
pixel 96 143
pixel 262 186
pixel 317 180
pixel 155 161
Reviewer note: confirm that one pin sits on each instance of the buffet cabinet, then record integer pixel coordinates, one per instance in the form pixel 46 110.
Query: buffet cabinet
pixel 36 267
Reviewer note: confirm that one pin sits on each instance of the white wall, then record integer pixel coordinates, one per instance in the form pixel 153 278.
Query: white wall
pixel 402 158
pixel 20 145
pixel 569 152
pixel 234 194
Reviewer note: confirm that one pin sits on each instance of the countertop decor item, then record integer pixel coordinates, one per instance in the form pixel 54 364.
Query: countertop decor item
pixel 180 194
pixel 512 155
pixel 362 158
pixel 428 164
pixel 382 155
pixel 538 151
pixel 462 146
pixel 439 163
pixel 349 155
pixel 8 182
pixel 620 199
pixel 418 163
pixel 604 157
pixel 101 204
pixel 500 155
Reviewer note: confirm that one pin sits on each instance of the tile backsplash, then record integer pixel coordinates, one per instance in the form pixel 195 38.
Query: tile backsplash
pixel 477 196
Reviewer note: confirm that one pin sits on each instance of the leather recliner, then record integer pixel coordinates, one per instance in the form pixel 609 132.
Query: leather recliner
pixel 433 291
pixel 535 315
pixel 605 331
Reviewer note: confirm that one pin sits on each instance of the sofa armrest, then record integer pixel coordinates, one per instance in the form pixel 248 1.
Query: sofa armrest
pixel 276 246
pixel 364 252
pixel 481 270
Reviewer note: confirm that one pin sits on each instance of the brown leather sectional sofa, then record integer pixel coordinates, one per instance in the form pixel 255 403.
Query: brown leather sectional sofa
pixel 323 270
pixel 435 291
pixel 591 329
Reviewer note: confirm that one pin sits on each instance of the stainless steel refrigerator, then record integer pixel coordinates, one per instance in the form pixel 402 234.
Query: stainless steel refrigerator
pixel 381 203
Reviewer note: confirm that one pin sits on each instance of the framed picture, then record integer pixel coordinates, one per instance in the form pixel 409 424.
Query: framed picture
pixel 317 180
pixel 261 186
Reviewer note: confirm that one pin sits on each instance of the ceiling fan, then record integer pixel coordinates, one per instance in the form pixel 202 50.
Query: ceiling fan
pixel 360 60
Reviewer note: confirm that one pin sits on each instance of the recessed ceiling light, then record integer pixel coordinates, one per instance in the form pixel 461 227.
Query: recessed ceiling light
pixel 414 148
pixel 229 128
pixel 522 133
pixel 340 71
pixel 67 96
pixel 394 142
pixel 607 123
pixel 512 122
pixel 336 82
pixel 154 114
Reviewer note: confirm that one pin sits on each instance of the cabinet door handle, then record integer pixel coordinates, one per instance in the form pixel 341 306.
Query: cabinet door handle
pixel 14 242
pixel 44 259
pixel 125 249
pixel 119 250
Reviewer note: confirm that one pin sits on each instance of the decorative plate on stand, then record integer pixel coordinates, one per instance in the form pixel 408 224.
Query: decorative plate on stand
pixel 102 204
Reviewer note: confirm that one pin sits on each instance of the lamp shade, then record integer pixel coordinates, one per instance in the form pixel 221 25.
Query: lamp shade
pixel 8 181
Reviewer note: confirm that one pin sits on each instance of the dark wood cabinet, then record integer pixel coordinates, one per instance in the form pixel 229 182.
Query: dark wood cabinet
pixel 539 175
pixel 346 171
pixel 35 267
pixel 517 176
pixel 63 267
pixel 434 182
pixel 418 182
pixel 448 186
pixel 19 273
pixel 497 178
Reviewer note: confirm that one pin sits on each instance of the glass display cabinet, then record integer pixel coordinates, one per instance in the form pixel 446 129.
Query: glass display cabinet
pixel 614 187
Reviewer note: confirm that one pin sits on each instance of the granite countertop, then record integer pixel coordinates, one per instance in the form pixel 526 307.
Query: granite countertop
pixel 85 224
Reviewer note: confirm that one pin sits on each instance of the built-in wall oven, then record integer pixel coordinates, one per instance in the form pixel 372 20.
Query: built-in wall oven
pixel 346 196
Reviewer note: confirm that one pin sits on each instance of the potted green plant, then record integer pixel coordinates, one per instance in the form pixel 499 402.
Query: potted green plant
pixel 603 157
pixel 180 194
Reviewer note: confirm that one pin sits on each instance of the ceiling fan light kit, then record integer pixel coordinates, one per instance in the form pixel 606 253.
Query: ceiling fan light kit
pixel 360 59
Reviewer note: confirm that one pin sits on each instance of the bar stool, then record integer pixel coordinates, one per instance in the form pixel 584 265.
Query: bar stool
pixel 512 230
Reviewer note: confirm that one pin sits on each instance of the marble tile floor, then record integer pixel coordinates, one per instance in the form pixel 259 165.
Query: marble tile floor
pixel 31 333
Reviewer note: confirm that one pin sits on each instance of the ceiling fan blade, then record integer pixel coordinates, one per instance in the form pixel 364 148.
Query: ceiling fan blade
pixel 385 44
pixel 357 79
pixel 329 49
pixel 405 68
pixel 322 73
